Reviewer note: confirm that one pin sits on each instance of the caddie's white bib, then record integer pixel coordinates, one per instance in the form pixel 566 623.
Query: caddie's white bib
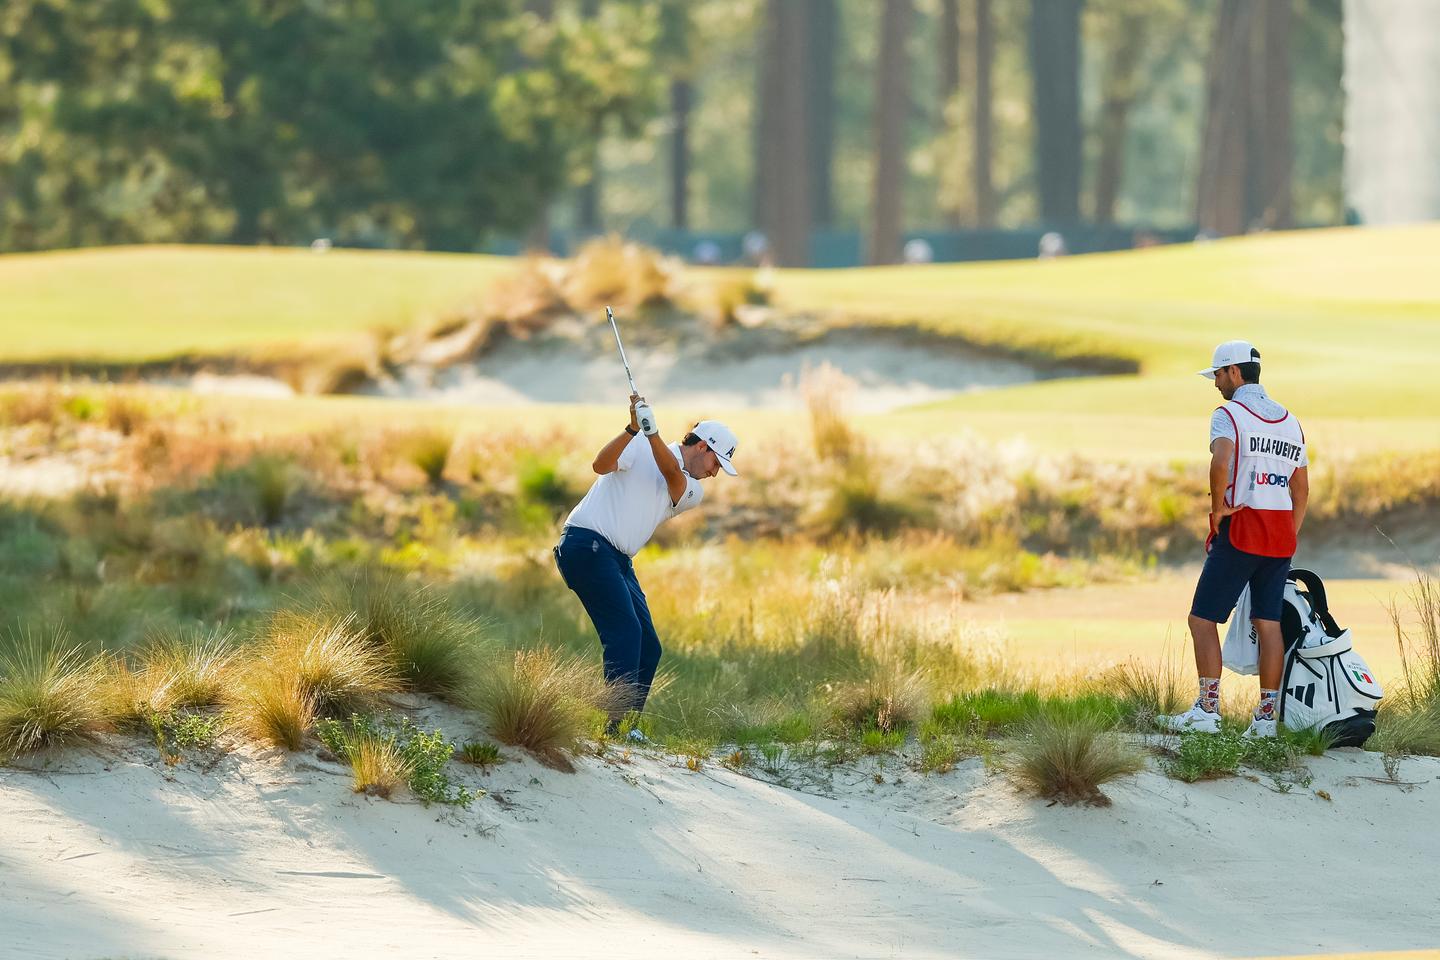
pixel 1267 454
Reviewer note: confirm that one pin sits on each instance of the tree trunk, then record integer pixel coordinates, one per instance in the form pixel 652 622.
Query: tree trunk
pixel 587 214
pixel 1220 202
pixel 1055 75
pixel 765 118
pixel 537 236
pixel 1119 88
pixel 984 126
pixel 1277 150
pixel 680 103
pixel 949 79
pixel 891 95
pixel 786 216
pixel 823 37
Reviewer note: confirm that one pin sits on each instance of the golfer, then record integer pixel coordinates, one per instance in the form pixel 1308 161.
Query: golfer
pixel 642 483
pixel 1259 487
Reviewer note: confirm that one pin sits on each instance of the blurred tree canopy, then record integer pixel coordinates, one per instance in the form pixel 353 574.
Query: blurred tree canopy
pixel 443 124
pixel 423 123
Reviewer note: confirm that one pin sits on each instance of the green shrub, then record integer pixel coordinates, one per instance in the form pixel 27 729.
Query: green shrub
pixel 386 751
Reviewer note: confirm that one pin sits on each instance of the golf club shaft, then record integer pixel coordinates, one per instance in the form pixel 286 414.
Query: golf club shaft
pixel 616 330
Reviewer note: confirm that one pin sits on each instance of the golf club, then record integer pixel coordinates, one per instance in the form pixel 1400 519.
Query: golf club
pixel 642 411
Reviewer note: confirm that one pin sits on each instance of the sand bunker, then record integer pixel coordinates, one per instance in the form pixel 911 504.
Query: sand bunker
pixel 704 373
pixel 108 852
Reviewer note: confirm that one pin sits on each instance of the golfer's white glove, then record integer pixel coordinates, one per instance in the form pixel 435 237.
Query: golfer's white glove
pixel 646 418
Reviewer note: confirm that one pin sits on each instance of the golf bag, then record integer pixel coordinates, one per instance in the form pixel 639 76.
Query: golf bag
pixel 1325 684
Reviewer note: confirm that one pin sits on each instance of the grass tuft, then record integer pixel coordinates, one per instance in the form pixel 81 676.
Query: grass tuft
pixel 49 694
pixel 337 669
pixel 275 707
pixel 428 643
pixel 1068 757
pixel 544 701
pixel 889 700
pixel 429 451
pixel 177 670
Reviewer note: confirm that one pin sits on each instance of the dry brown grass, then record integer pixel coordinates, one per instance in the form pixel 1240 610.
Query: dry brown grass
pixel 174 670
pixel 338 671
pixel 274 707
pixel 378 765
pixel 892 698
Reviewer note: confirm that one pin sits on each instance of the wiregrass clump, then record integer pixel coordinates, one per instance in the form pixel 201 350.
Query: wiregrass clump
pixel 890 699
pixel 1068 758
pixel 308 666
pixel 176 669
pixel 544 701
pixel 50 694
pixel 275 707
pixel 428 643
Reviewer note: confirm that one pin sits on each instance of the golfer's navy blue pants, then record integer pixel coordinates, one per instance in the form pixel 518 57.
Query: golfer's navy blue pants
pixel 604 580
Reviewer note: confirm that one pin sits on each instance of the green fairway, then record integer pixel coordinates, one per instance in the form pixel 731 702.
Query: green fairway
pixel 139 304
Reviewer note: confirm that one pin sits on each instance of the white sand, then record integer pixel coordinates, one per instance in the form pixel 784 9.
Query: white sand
pixel 888 373
pixel 110 854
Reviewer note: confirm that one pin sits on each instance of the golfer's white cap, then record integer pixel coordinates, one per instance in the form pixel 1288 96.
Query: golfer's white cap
pixel 720 439
pixel 1231 351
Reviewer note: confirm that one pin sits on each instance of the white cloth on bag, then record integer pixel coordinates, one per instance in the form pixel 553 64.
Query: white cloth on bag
pixel 1241 653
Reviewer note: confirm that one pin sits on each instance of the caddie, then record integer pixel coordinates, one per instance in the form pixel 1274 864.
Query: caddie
pixel 1259 488
pixel 641 483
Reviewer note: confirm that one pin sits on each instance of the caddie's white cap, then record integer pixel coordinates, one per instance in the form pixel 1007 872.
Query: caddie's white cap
pixel 721 440
pixel 1231 351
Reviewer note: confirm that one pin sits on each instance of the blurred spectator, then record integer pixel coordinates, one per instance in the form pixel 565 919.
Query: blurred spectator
pixel 756 247
pixel 1052 245
pixel 706 253
pixel 918 251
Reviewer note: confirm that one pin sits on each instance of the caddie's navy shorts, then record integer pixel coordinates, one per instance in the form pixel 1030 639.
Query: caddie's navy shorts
pixel 1227 571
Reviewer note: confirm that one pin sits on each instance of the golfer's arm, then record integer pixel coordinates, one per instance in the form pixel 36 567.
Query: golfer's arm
pixel 1220 453
pixel 609 456
pixel 669 469
pixel 1300 495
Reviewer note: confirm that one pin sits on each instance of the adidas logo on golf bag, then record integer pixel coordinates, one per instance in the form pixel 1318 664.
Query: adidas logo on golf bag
pixel 1327 685
pixel 1305 694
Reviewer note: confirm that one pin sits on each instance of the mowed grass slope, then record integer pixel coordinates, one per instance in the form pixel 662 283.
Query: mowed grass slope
pixel 145 304
pixel 1348 322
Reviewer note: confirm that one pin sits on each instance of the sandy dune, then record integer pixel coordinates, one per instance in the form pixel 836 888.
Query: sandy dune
pixel 108 853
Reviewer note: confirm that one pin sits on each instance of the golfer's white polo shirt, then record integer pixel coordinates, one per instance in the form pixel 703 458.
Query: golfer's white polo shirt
pixel 627 504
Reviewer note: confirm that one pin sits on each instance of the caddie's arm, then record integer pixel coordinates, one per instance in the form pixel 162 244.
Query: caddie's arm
pixel 669 469
pixel 1221 452
pixel 1300 495
pixel 609 456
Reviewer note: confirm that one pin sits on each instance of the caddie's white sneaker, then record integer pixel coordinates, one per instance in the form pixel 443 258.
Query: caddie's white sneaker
pixel 1259 729
pixel 1194 720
